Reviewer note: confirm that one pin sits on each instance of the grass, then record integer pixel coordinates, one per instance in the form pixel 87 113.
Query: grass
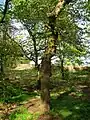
pixel 18 89
pixel 11 93
pixel 67 106
pixel 71 108
pixel 23 114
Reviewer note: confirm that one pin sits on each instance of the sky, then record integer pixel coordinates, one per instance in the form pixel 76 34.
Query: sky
pixel 2 1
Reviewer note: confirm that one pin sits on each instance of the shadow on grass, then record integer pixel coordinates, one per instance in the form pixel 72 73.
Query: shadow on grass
pixel 18 86
pixel 13 97
pixel 71 108
pixel 14 94
pixel 22 97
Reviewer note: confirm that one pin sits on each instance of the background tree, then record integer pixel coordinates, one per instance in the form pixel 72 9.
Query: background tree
pixel 9 49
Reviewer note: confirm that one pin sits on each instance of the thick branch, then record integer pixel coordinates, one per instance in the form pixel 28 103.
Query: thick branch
pixel 57 9
pixel 24 52
pixel 34 44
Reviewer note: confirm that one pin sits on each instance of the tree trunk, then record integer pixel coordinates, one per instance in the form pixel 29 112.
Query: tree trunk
pixel 35 51
pixel 62 69
pixel 46 65
pixel 1 66
pixel 49 52
pixel 38 78
pixel 45 81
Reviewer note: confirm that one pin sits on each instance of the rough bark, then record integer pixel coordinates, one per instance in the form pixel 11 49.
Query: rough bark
pixel 49 52
pixel 35 52
pixel 45 81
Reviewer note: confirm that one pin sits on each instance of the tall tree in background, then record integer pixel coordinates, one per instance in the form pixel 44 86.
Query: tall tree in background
pixel 70 44
pixel 9 50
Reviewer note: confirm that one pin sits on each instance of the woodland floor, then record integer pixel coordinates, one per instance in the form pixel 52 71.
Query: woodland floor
pixel 21 101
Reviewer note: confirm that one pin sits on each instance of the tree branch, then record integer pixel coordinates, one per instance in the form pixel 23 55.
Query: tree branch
pixel 5 11
pixel 57 9
pixel 24 52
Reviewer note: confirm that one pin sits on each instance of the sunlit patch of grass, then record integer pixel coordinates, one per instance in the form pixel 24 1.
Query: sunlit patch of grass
pixel 65 112
pixel 23 114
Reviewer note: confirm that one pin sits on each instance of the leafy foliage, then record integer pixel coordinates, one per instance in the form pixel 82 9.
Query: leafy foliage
pixel 71 45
